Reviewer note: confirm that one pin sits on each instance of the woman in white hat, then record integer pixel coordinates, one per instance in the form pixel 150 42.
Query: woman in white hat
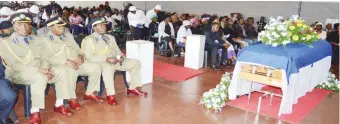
pixel 318 30
pixel 182 34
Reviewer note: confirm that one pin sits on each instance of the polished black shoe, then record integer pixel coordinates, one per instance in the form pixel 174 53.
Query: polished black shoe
pixel 226 64
pixel 6 121
pixel 214 67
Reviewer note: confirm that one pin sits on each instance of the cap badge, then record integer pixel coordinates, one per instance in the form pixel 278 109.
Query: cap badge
pixel 22 16
pixel 60 19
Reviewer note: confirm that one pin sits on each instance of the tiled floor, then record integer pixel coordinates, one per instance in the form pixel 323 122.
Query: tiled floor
pixel 171 103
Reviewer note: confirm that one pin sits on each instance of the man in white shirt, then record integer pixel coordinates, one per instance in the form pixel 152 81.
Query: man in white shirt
pixel 136 20
pixel 182 34
pixel 151 13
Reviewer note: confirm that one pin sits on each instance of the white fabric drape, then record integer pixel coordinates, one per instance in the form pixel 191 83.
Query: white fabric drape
pixel 299 83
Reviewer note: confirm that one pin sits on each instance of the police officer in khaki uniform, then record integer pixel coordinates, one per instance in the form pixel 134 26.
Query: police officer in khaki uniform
pixel 102 48
pixel 22 58
pixel 65 56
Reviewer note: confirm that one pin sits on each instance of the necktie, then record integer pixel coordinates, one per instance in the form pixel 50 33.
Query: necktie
pixel 26 40
pixel 104 38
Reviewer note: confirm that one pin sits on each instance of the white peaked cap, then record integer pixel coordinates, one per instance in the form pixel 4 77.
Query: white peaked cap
pixel 158 7
pixel 132 8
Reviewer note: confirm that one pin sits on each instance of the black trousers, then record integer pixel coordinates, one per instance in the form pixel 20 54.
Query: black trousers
pixel 137 33
pixel 7 98
pixel 146 33
pixel 213 51
pixel 335 56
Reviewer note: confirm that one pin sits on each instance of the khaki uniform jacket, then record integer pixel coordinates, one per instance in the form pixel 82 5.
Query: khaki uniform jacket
pixel 19 55
pixel 98 51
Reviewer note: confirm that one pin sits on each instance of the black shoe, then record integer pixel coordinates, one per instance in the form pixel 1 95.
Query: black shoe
pixel 214 67
pixel 6 121
pixel 225 64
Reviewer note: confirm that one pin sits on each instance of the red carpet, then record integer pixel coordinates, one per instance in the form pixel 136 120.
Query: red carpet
pixel 300 110
pixel 173 72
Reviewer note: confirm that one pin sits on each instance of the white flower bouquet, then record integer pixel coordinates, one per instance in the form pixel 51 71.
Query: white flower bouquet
pixel 216 98
pixel 275 32
pixel 331 84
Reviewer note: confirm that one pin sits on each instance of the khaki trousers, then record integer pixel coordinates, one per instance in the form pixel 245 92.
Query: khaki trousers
pixel 130 65
pixel 36 80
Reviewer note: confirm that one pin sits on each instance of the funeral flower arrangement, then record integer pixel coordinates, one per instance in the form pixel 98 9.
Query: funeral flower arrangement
pixel 216 98
pixel 331 84
pixel 299 32
pixel 279 32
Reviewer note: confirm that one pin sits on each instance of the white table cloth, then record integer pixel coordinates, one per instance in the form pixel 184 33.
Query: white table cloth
pixel 299 83
pixel 194 51
pixel 142 51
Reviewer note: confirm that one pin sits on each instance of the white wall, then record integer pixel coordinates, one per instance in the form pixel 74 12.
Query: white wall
pixel 311 11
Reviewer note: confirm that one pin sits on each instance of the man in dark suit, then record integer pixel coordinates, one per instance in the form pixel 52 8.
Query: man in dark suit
pixel 53 8
pixel 250 31
pixel 333 38
pixel 214 42
pixel 261 24
pixel 7 97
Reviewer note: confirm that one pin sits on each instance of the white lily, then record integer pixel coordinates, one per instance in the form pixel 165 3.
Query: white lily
pixel 218 100
pixel 209 106
pixel 279 18
pixel 286 42
pixel 224 87
pixel 295 17
pixel 223 95
pixel 271 19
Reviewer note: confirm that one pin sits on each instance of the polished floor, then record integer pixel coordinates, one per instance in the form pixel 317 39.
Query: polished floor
pixel 171 103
